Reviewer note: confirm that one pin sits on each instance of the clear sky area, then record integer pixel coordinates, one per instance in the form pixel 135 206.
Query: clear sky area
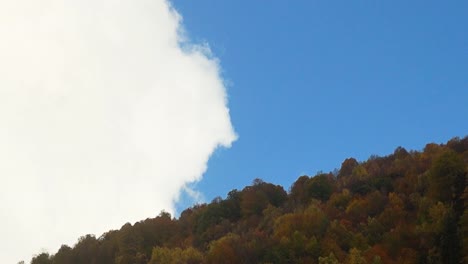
pixel 311 83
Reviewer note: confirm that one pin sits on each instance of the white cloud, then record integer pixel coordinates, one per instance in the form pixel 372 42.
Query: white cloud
pixel 104 118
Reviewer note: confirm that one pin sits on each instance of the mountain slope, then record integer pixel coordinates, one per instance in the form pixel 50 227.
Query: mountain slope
pixel 407 207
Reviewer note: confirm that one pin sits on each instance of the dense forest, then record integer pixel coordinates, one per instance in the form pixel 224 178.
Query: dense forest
pixel 407 207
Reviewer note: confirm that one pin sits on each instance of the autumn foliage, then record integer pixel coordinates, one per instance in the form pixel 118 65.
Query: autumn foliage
pixel 407 207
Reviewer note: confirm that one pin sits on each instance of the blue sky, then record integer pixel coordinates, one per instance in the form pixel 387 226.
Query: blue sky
pixel 314 82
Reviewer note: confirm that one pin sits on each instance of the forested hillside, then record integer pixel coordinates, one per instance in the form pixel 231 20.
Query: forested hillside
pixel 407 207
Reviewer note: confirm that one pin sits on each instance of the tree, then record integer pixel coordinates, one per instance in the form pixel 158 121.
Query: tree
pixel 355 257
pixel 392 209
pixel 331 259
pixel 447 177
pixel 310 222
pixel 449 241
pixel 464 234
pixel 64 255
pixel 357 210
pixel 86 250
pixel 227 249
pixel 377 260
pixel 320 187
pixel 43 258
pixel 299 193
pixel 394 213
pixel 176 256
pixel 347 167
pixel 256 198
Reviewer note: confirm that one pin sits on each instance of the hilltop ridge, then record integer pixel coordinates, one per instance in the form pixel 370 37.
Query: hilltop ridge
pixel 406 207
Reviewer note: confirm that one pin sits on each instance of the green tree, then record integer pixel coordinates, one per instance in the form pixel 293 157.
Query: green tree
pixel 447 177
pixel 449 241
pixel 331 259
pixel 320 187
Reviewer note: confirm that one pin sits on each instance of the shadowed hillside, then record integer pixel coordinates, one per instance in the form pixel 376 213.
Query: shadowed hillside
pixel 407 207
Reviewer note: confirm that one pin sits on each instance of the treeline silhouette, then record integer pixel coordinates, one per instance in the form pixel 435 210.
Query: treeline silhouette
pixel 407 207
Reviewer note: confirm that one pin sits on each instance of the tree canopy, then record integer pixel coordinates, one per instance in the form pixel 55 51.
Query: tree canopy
pixel 407 207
